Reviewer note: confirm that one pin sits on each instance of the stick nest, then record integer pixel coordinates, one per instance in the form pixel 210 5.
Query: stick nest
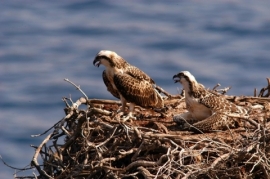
pixel 95 143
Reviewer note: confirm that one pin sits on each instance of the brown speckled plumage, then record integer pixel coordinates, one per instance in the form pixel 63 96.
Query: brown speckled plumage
pixel 138 91
pixel 128 82
pixel 207 110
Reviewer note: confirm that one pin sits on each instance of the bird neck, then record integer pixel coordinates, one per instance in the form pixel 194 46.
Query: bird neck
pixel 195 90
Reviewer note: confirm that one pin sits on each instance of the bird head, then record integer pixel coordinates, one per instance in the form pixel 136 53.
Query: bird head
pixel 185 78
pixel 109 59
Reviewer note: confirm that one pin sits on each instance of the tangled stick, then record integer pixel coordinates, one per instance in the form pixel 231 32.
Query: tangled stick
pixel 91 143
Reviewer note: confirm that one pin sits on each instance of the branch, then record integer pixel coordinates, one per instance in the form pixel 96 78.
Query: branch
pixel 34 161
pixel 77 87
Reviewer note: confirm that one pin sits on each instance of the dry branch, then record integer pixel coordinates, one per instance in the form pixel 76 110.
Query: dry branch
pixel 96 145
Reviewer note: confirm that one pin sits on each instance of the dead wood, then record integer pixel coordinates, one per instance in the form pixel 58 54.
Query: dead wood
pixel 94 143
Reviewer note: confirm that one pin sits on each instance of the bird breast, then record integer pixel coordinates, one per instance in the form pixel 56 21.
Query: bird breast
pixel 197 110
pixel 110 73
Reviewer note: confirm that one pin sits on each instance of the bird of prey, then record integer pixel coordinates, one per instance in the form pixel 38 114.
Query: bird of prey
pixel 127 83
pixel 207 111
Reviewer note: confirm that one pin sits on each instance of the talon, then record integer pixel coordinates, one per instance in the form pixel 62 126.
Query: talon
pixel 118 115
pixel 129 116
pixel 121 109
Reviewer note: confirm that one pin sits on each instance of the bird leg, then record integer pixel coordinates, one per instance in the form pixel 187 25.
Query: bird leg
pixel 121 110
pixel 130 113
pixel 124 104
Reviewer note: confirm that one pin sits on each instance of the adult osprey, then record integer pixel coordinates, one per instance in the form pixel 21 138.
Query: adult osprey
pixel 207 110
pixel 127 82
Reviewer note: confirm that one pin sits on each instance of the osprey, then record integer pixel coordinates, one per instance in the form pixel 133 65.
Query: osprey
pixel 127 82
pixel 207 110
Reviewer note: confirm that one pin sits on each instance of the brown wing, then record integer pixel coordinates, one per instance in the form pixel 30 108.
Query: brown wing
pixel 140 92
pixel 138 74
pixel 217 121
pixel 219 104
pixel 109 85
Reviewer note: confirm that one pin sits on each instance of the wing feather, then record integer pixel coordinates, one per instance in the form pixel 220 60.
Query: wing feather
pixel 219 104
pixel 109 85
pixel 217 121
pixel 138 74
pixel 140 92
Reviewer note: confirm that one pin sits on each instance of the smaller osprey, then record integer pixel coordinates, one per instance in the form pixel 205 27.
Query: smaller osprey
pixel 207 110
pixel 127 82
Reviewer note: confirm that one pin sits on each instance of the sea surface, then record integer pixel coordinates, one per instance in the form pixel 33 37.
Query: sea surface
pixel 43 42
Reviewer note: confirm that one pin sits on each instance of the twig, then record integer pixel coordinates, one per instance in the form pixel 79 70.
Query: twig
pixel 34 161
pixel 15 168
pixel 37 135
pixel 160 90
pixel 222 157
pixel 77 87
pixel 215 87
pixel 145 173
pixel 103 101
pixel 140 163
pixel 107 140
pixel 97 146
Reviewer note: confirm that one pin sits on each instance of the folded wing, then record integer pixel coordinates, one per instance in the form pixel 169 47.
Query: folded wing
pixel 134 88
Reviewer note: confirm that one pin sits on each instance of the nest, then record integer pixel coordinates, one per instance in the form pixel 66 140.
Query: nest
pixel 98 144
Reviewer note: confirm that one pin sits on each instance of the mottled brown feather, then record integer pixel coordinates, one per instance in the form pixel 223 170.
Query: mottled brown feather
pixel 138 91
pixel 127 82
pixel 217 121
pixel 209 110
pixel 138 74
pixel 219 104
pixel 216 103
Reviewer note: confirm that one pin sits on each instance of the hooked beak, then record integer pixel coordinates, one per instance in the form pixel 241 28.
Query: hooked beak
pixel 176 78
pixel 96 62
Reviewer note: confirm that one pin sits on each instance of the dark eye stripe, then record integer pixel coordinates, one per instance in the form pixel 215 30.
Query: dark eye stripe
pixel 105 57
pixel 108 59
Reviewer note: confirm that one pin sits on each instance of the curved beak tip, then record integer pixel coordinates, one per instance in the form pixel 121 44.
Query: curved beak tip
pixel 177 78
pixel 96 62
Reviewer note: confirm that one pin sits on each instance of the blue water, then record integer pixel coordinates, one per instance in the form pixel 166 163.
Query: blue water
pixel 43 42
